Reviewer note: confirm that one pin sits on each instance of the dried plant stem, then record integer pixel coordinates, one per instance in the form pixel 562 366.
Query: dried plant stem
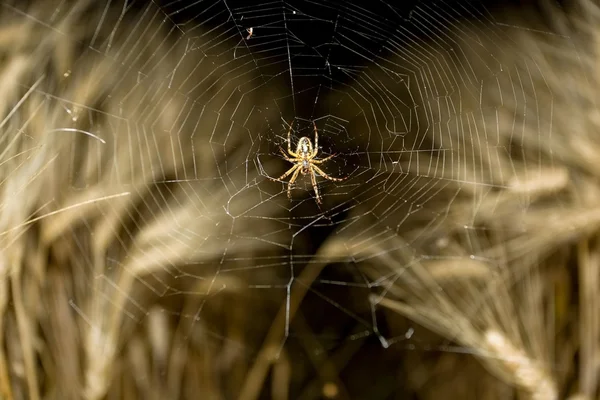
pixel 589 324
pixel 527 374
pixel 25 335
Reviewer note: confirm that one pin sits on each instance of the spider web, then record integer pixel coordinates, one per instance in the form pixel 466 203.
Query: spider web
pixel 380 83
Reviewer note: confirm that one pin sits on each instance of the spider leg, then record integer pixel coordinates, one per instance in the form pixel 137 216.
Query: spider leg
pixel 289 171
pixel 323 159
pixel 289 140
pixel 313 179
pixel 316 149
pixel 324 175
pixel 292 180
pixel 293 160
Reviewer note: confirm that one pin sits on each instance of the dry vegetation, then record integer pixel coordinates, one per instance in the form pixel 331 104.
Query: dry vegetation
pixel 113 229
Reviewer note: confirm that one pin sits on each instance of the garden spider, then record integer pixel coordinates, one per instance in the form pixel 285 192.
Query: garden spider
pixel 304 161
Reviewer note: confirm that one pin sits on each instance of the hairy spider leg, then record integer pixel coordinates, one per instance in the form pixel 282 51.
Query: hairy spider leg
pixel 316 149
pixel 289 171
pixel 293 160
pixel 324 175
pixel 313 179
pixel 289 137
pixel 323 160
pixel 292 180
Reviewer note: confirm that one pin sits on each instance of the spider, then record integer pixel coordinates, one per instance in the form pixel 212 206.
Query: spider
pixel 304 162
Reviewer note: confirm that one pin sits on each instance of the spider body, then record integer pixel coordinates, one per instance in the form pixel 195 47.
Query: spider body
pixel 304 150
pixel 304 162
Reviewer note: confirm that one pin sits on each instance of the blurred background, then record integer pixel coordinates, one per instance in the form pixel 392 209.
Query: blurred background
pixel 147 250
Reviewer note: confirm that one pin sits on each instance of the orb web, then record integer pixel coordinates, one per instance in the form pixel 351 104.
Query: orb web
pixel 386 89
